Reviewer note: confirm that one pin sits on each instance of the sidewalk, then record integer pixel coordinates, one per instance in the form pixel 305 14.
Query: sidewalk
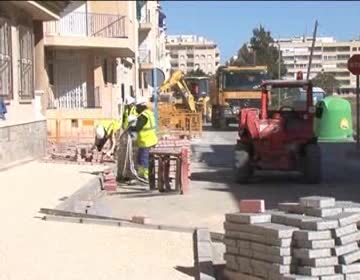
pixel 33 249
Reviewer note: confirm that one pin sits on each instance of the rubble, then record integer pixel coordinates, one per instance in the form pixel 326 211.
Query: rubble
pixel 315 238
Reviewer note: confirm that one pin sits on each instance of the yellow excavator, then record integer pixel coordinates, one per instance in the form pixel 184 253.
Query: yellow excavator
pixel 177 106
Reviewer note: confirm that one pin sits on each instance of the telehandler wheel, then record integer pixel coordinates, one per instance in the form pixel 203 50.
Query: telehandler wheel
pixel 312 164
pixel 242 167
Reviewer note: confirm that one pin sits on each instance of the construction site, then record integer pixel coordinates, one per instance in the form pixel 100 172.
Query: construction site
pixel 115 164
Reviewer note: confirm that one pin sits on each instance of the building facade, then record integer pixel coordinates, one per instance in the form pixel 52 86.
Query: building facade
pixel 329 56
pixel 191 52
pixel 22 78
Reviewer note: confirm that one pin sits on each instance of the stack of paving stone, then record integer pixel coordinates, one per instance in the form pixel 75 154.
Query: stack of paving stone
pixel 315 238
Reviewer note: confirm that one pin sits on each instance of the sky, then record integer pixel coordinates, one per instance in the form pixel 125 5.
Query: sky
pixel 230 23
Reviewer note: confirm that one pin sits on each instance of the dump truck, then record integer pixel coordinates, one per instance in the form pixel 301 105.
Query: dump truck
pixel 235 88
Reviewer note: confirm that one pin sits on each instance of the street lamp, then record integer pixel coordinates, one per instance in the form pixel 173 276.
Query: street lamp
pixel 279 59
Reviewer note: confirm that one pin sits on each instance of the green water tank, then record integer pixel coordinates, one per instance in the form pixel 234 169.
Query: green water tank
pixel 333 121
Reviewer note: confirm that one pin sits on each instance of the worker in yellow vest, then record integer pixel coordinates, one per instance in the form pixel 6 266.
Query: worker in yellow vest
pixel 104 131
pixel 129 112
pixel 146 136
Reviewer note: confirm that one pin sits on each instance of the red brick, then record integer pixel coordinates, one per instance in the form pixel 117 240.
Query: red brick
pixel 252 206
pixel 110 186
pixel 109 177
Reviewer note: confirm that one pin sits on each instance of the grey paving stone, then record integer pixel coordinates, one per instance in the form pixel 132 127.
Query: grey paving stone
pixel 317 201
pixel 294 220
pixel 315 244
pixel 284 242
pixel 350 258
pixel 230 242
pixel 244 244
pixel 323 212
pixel 318 262
pixel 316 271
pixel 248 218
pixel 272 258
pixel 352 276
pixel 345 218
pixel 292 207
pixel 267 229
pixel 203 234
pixel 344 249
pixel 204 250
pixel 233 275
pixel 265 268
pixel 312 235
pixel 272 250
pixel 350 268
pixel 245 252
pixel 319 225
pixel 332 277
pixel 232 250
pixel 298 277
pixel 349 238
pixel 311 253
pixel 231 262
pixel 341 231
pixel 245 265
pixel 348 206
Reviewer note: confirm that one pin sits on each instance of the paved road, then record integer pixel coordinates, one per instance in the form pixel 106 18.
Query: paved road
pixel 214 193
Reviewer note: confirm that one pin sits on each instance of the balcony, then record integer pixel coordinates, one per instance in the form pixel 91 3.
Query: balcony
pixel 90 30
pixel 145 61
pixel 145 22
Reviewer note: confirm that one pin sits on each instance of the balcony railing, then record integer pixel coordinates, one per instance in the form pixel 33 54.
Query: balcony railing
pixel 145 16
pixel 144 56
pixel 88 24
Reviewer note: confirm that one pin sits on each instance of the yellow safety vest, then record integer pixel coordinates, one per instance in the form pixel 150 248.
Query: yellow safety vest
pixel 128 112
pixel 147 135
pixel 111 126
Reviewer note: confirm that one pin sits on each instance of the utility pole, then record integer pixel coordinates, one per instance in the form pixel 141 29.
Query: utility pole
pixel 312 50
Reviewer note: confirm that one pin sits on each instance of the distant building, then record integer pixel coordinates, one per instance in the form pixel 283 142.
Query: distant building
pixel 191 52
pixel 329 56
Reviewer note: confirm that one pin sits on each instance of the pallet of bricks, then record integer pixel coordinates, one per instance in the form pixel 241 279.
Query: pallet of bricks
pixel 316 238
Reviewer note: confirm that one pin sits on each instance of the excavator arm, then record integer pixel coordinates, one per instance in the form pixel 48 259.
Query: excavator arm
pixel 177 82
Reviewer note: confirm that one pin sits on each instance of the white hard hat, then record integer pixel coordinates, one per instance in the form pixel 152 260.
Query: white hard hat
pixel 141 101
pixel 100 132
pixel 129 100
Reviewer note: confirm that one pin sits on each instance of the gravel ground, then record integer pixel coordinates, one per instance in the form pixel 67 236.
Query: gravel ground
pixel 32 249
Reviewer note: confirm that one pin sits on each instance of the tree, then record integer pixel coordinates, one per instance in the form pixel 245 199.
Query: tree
pixel 326 81
pixel 261 51
pixel 197 73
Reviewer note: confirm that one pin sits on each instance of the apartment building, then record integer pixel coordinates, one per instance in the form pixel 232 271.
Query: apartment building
pixel 329 56
pixel 191 52
pixel 22 78
pixel 151 44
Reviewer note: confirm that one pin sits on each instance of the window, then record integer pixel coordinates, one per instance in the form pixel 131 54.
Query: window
pixel 114 72
pixel 5 60
pixel 209 56
pixel 105 71
pixel 354 49
pixel 26 63
pixel 343 56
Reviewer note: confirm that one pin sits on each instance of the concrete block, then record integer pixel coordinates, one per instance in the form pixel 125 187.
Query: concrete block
pixel 245 252
pixel 245 265
pixel 230 242
pixel 260 268
pixel 332 277
pixel 248 218
pixel 316 271
pixel 292 207
pixel 229 257
pixel 348 206
pixel 233 275
pixel 352 276
pixel 323 212
pixel 232 250
pixel 294 220
pixel 252 206
pixel 311 253
pixel 244 244
pixel 315 244
pixel 286 260
pixel 232 265
pixel 346 269
pixel 341 231
pixel 349 238
pixel 345 218
pixel 350 258
pixel 271 250
pixel 266 229
pixel 319 225
pixel 284 242
pixel 317 201
pixel 319 262
pixel 345 249
pixel 298 277
pixel 312 235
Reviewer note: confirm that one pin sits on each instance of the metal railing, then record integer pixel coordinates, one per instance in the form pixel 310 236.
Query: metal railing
pixel 79 97
pixel 88 24
pixel 144 56
pixel 145 17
